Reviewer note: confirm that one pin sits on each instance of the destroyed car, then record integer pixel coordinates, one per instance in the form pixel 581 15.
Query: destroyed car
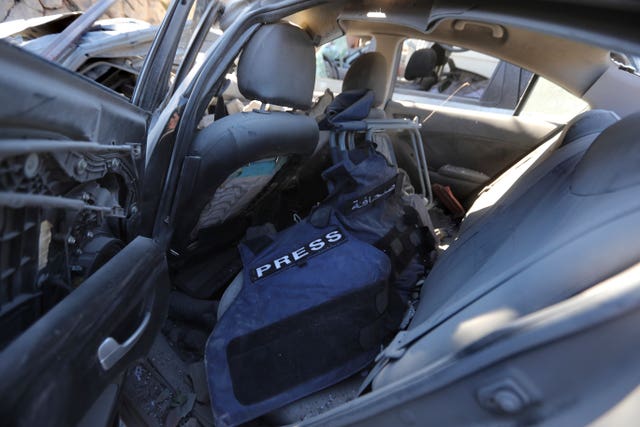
pixel 245 241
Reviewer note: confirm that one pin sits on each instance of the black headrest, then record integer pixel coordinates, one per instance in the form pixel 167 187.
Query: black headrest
pixel 588 123
pixel 278 66
pixel 421 64
pixel 441 54
pixel 611 162
pixel 369 71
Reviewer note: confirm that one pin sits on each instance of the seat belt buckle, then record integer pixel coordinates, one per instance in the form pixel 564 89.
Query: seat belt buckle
pixel 395 349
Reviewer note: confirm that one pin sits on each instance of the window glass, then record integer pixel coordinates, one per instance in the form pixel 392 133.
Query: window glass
pixel 550 102
pixel 435 70
pixel 436 74
pixel 333 59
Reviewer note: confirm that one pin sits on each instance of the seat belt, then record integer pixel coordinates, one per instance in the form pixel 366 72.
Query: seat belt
pixel 395 350
pixel 221 109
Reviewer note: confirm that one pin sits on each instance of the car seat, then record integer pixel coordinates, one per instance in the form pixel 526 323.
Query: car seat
pixel 269 74
pixel 421 69
pixel 573 224
pixel 579 133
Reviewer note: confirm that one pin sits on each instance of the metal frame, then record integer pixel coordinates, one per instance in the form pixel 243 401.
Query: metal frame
pixel 343 139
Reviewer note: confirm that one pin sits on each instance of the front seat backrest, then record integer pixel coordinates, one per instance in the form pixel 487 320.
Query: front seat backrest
pixel 421 68
pixel 276 66
pixel 369 72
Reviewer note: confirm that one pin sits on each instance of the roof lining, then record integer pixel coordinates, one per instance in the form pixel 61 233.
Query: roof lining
pixel 580 64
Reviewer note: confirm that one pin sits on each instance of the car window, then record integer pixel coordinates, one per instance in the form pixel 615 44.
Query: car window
pixel 550 102
pixel 333 59
pixel 431 72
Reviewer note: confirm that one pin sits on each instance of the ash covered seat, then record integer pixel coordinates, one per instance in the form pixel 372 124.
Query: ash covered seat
pixel 225 181
pixel 571 223
pixel 575 138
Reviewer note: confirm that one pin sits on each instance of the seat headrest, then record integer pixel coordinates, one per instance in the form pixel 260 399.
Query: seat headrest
pixel 278 66
pixel 421 64
pixel 441 54
pixel 369 71
pixel 611 162
pixel 588 123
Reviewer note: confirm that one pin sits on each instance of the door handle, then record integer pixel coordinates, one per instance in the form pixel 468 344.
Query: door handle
pixel 111 351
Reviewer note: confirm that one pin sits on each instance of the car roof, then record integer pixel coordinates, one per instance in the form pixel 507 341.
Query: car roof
pixel 567 42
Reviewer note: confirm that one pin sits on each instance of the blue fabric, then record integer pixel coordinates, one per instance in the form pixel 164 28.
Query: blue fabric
pixel 349 106
pixel 315 306
pixel 349 181
pixel 347 267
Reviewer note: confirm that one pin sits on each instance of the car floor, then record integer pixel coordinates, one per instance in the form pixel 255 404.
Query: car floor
pixel 164 390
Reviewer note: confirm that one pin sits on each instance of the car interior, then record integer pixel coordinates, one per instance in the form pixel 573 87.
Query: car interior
pixel 517 213
pixel 516 178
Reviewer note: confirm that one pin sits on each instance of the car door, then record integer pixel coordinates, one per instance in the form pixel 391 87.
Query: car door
pixel 82 296
pixel 470 133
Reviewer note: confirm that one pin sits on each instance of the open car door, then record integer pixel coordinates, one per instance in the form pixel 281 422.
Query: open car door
pixel 81 296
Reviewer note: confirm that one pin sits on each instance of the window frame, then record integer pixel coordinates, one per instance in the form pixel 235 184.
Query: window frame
pixel 519 82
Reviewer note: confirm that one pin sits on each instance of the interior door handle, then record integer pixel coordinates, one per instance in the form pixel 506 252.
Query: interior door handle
pixel 111 351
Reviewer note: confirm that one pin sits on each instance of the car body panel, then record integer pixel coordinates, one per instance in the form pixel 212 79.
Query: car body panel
pixel 52 373
pixel 58 111
pixel 478 141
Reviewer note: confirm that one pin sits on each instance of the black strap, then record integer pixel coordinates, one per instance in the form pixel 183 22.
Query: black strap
pixel 221 109
pixel 406 239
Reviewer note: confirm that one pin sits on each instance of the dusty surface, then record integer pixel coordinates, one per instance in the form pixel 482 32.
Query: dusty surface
pixel 147 10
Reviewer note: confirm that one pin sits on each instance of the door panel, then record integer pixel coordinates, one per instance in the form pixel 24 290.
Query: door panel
pixel 80 299
pixel 52 373
pixel 466 148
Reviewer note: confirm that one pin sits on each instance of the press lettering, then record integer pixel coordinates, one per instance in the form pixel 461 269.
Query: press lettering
pixel 381 192
pixel 284 260
pixel 316 245
pixel 299 254
pixel 334 236
pixel 260 270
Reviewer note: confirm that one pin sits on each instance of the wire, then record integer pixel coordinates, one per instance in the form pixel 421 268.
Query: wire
pixel 462 86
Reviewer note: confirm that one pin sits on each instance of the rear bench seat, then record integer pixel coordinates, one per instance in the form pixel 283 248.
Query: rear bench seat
pixel 567 224
pixel 579 133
